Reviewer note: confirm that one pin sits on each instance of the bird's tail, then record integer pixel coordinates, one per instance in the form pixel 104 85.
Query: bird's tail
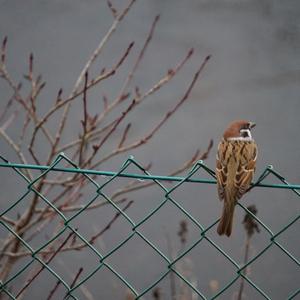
pixel 225 224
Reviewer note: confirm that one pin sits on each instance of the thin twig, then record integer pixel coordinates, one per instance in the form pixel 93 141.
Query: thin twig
pixel 53 254
pixel 84 121
pixel 136 185
pixel 124 135
pixel 52 292
pixel 112 9
pixel 6 108
pixel 62 103
pixel 108 134
pixel 3 50
pixel 90 61
pixel 8 220
pixel 77 246
pixel 86 293
pixel 17 149
pixel 152 132
pixel 101 45
pixel 129 78
pixel 22 102
pixel 76 277
pixel 93 135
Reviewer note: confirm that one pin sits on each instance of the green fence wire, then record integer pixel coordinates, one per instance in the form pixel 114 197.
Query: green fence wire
pixel 168 198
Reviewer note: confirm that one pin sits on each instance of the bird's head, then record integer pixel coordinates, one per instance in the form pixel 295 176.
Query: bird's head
pixel 239 130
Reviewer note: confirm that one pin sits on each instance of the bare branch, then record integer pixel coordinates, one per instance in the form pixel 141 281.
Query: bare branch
pixel 118 121
pixel 77 246
pixel 6 108
pixel 84 121
pixel 129 78
pixel 9 120
pixel 101 45
pixel 148 136
pixel 17 150
pixel 7 220
pixel 17 96
pixel 135 185
pixel 53 254
pixel 76 277
pixel 62 103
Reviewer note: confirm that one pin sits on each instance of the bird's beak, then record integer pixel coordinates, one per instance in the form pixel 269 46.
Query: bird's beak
pixel 252 125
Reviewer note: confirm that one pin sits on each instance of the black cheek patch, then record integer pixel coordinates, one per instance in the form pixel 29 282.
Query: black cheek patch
pixel 244 134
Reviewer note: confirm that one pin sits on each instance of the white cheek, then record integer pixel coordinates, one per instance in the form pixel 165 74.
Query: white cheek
pixel 240 138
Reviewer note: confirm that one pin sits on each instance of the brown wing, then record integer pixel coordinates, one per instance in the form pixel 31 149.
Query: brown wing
pixel 221 168
pixel 246 168
pixel 243 156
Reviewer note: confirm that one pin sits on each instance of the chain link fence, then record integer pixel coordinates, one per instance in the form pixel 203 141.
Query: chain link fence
pixel 37 254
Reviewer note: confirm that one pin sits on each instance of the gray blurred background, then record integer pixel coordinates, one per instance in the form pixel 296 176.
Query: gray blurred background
pixel 254 74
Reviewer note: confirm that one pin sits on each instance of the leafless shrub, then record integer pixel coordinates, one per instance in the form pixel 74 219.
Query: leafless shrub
pixel 96 130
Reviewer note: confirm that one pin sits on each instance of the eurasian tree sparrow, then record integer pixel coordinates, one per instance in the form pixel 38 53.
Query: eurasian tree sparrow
pixel 236 157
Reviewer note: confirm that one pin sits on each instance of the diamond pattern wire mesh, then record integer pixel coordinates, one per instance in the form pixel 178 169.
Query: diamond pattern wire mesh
pixel 135 226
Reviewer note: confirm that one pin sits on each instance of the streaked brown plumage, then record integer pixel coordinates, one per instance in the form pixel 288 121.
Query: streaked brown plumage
pixel 236 158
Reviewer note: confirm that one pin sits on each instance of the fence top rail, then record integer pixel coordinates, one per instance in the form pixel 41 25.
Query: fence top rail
pixel 136 175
